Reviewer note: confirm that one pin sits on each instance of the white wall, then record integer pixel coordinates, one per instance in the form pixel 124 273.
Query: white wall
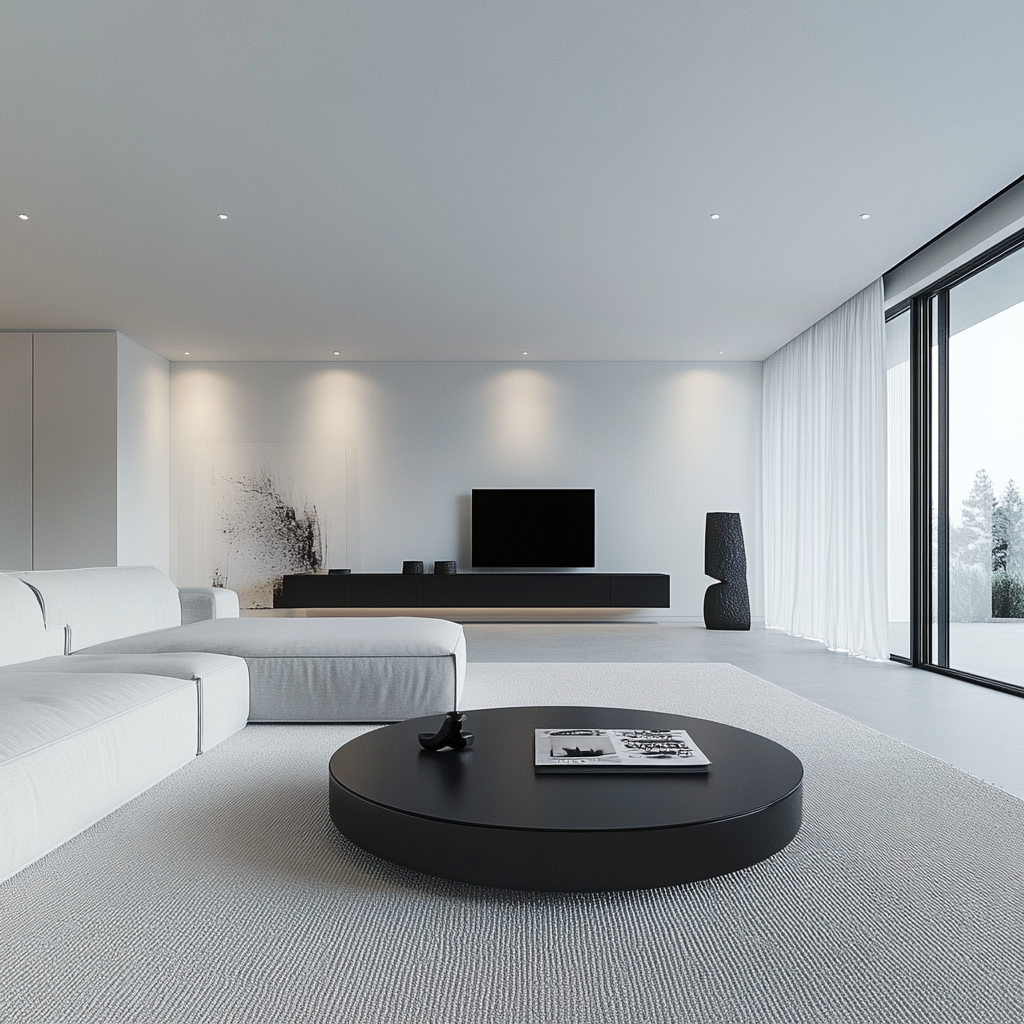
pixel 143 456
pixel 662 444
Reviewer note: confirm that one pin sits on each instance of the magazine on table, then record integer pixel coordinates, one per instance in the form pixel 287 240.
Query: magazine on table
pixel 603 751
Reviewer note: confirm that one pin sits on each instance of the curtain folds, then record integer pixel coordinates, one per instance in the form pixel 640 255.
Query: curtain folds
pixel 824 462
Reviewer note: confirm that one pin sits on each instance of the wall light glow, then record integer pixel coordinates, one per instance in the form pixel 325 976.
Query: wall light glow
pixel 695 410
pixel 205 404
pixel 521 415
pixel 338 405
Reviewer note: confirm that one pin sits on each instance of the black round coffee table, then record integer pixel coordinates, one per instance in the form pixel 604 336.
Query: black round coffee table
pixel 483 816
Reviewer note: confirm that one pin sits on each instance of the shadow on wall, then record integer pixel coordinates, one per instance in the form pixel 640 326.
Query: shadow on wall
pixel 465 513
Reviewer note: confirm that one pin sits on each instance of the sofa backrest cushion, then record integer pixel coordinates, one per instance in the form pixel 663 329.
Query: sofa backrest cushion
pixel 23 633
pixel 105 603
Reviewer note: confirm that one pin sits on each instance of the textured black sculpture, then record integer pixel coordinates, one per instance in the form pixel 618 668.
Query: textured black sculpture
pixel 726 604
pixel 451 734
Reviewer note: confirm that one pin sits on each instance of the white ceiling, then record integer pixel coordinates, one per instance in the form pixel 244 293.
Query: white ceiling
pixel 469 179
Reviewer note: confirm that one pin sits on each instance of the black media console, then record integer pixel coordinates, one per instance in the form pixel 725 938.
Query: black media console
pixel 476 590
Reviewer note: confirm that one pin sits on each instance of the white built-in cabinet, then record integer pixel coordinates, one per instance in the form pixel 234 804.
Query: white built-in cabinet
pixel 84 451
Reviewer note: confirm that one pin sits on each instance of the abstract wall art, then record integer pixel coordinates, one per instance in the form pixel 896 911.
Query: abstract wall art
pixel 251 512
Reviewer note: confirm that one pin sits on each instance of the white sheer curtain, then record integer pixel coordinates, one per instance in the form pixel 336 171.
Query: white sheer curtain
pixel 825 520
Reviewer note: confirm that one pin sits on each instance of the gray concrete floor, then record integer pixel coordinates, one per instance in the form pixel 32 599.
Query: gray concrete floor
pixel 977 729
pixel 993 649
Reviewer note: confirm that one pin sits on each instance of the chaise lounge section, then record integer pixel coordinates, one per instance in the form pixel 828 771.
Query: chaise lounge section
pixel 104 692
pixel 78 738
pixel 300 670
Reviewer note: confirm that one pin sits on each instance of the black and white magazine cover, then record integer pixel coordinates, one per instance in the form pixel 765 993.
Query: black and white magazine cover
pixel 617 750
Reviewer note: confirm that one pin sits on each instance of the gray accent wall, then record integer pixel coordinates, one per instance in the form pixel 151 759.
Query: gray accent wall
pixel 662 443
pixel 74 450
pixel 15 451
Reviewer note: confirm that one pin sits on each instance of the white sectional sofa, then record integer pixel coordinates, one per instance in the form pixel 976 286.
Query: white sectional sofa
pixel 112 678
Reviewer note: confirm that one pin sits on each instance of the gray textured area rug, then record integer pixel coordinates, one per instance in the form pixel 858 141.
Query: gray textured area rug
pixel 226 895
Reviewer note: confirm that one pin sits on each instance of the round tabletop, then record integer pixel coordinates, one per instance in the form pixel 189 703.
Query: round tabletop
pixel 485 816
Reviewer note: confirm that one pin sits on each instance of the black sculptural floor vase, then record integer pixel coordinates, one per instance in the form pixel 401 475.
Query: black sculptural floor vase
pixel 484 816
pixel 726 604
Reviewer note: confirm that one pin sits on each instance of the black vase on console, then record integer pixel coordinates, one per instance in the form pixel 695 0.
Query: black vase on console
pixel 726 604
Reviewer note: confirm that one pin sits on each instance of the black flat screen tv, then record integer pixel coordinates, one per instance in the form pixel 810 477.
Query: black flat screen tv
pixel 536 529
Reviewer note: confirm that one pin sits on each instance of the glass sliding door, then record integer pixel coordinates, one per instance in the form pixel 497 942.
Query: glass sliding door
pixel 956 573
pixel 897 351
pixel 978 444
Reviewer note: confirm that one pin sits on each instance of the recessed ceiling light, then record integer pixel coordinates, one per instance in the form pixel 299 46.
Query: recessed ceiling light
pixel 865 216
pixel 22 216
pixel 720 352
pixel 222 216
pixel 526 353
pixel 337 353
pixel 715 216
pixel 188 353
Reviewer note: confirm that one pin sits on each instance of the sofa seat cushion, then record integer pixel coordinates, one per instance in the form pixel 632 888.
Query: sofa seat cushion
pixel 328 669
pixel 74 748
pixel 222 683
pixel 37 708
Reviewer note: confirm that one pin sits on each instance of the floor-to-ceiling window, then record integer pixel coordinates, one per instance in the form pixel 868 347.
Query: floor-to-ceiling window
pixel 964 384
pixel 986 471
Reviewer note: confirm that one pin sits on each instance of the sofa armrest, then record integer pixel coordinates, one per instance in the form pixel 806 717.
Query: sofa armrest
pixel 199 603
